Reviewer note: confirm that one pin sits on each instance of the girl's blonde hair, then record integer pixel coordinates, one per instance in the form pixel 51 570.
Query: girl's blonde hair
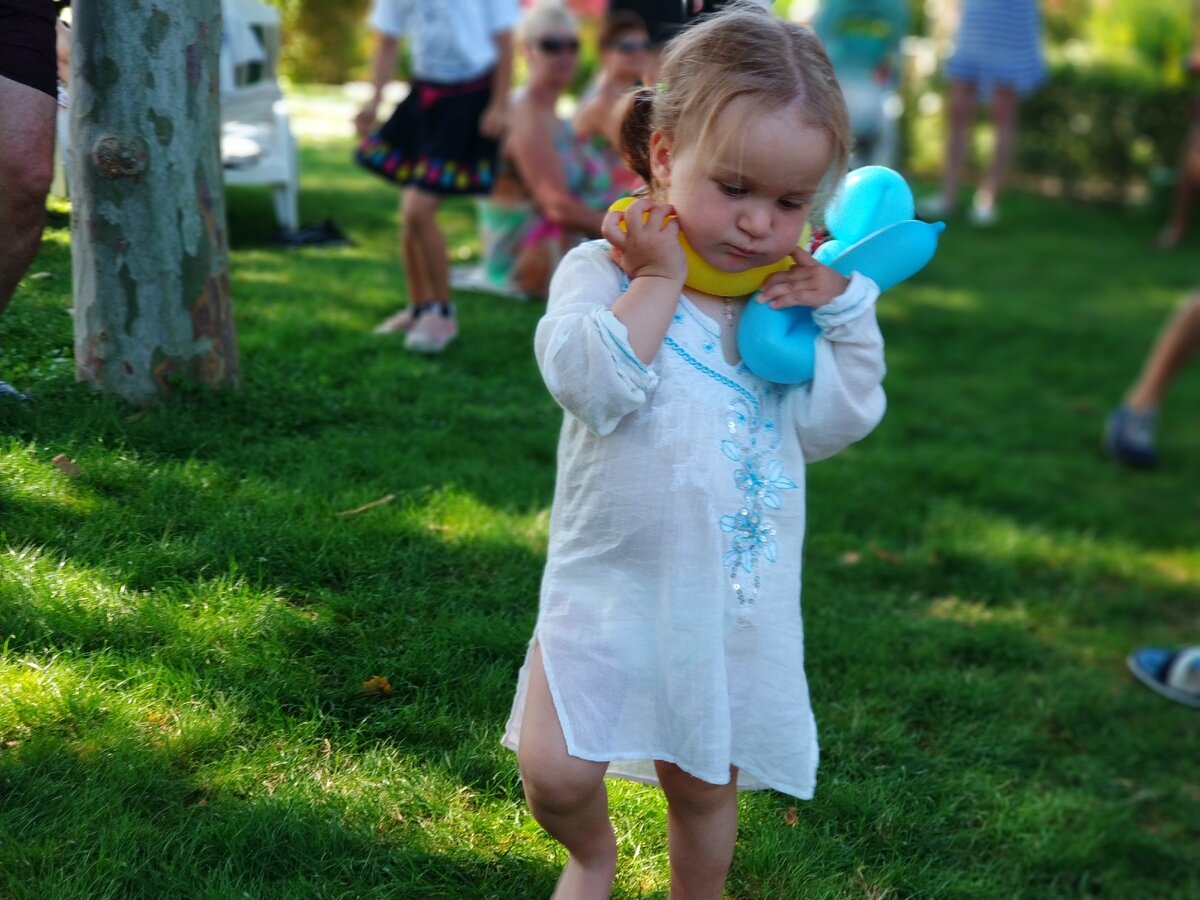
pixel 741 51
pixel 544 18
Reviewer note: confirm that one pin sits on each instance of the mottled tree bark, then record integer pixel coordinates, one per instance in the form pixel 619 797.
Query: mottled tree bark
pixel 148 242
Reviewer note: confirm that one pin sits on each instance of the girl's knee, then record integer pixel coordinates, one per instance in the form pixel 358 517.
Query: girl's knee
pixel 689 793
pixel 557 786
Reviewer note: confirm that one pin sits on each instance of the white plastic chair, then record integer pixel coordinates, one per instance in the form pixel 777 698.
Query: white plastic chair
pixel 257 146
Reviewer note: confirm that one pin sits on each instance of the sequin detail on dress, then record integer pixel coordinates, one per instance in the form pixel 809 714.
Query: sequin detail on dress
pixel 759 478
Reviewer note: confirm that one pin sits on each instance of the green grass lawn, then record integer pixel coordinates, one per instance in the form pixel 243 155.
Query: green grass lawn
pixel 186 626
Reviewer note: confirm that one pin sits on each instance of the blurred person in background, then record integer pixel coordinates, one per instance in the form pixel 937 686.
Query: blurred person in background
pixel 539 208
pixel 1129 433
pixel 997 59
pixel 663 19
pixel 862 38
pixel 624 45
pixel 442 140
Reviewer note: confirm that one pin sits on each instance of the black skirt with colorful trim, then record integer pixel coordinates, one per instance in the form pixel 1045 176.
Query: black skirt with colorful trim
pixel 432 140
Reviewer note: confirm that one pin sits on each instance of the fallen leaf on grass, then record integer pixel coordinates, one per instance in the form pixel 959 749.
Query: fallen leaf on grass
pixel 377 685
pixel 886 555
pixel 67 466
pixel 791 817
pixel 354 512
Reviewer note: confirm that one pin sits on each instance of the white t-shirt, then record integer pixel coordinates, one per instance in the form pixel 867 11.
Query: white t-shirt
pixel 669 619
pixel 450 40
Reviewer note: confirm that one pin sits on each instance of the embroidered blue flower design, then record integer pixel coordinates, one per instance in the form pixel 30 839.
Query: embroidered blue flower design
pixel 751 420
pixel 752 535
pixel 765 485
pixel 760 479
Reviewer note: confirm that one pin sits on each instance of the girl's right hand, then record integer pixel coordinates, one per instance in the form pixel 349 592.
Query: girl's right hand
pixel 645 240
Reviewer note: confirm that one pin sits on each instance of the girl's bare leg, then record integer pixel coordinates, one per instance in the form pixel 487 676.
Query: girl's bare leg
pixel 1004 122
pixel 566 795
pixel 959 115
pixel 424 248
pixel 701 831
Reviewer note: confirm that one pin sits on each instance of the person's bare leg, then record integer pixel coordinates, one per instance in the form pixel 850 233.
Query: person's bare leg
pixel 1180 338
pixel 26 169
pixel 566 795
pixel 1004 106
pixel 959 115
pixel 427 241
pixel 1187 183
pixel 419 279
pixel 701 832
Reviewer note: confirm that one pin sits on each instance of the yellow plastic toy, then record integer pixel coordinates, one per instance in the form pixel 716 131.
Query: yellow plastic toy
pixel 703 276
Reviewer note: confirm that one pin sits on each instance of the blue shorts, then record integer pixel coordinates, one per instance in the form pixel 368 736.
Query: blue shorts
pixel 27 44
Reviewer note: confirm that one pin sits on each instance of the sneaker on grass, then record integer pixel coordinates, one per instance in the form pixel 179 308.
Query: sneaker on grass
pixel 402 321
pixel 8 392
pixel 434 329
pixel 1129 437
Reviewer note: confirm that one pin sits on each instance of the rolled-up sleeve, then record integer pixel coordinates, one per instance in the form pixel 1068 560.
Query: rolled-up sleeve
pixel 845 399
pixel 583 350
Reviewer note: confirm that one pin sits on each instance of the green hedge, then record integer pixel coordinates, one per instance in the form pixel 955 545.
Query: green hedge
pixel 1102 128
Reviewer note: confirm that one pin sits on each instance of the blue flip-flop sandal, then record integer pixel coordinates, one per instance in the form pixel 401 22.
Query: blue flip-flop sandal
pixel 1173 673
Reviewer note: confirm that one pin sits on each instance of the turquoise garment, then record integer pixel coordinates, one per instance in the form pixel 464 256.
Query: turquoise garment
pixel 861 36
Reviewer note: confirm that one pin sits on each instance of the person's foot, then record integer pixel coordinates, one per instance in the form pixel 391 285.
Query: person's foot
pixel 433 330
pixel 1129 438
pixel 983 213
pixel 402 321
pixel 8 392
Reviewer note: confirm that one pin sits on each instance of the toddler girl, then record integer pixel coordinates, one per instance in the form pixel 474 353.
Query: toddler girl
pixel 669 646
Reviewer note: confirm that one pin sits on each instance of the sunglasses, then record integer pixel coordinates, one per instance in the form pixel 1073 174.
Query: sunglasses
pixel 555 45
pixel 631 46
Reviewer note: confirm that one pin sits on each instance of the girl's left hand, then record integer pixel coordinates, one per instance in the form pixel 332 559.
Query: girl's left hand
pixel 807 283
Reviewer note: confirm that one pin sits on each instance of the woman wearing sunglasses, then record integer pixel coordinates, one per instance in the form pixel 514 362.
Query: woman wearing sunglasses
pixel 538 209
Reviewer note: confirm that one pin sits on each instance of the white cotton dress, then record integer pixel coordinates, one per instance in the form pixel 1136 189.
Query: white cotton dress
pixel 669 619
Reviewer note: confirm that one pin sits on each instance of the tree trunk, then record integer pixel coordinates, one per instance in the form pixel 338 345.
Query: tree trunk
pixel 148 240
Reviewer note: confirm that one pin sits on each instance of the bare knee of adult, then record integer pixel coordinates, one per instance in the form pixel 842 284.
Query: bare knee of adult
pixel 701 832
pixel 566 795
pixel 26 169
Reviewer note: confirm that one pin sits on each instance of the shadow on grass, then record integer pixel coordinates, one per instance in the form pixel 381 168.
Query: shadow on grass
pixel 150 821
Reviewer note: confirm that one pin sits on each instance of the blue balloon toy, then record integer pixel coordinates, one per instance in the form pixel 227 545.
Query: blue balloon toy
pixel 874 233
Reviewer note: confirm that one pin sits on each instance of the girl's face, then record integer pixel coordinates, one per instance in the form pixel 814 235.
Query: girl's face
pixel 746 204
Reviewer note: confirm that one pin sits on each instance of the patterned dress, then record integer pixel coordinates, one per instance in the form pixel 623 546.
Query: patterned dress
pixel 999 45
pixel 669 619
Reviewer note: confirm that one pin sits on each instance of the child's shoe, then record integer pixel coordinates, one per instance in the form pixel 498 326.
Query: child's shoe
pixel 402 321
pixel 8 392
pixel 435 328
pixel 983 213
pixel 1129 438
